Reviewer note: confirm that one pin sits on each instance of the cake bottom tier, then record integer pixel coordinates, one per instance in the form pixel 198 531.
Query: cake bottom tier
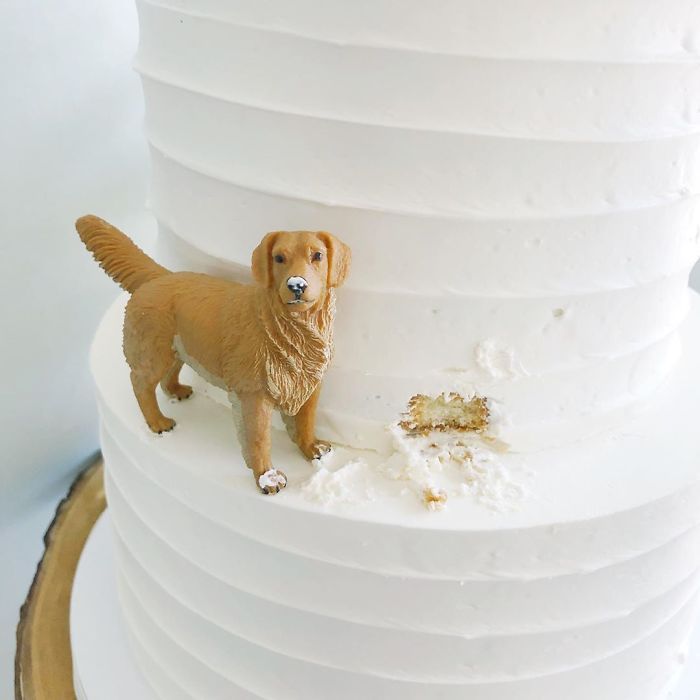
pixel 587 590
pixel 108 665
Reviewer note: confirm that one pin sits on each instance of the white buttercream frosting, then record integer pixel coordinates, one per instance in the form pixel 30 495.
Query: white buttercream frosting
pixel 586 587
pixel 500 362
pixel 520 185
pixel 350 484
pixel 438 468
pixel 522 206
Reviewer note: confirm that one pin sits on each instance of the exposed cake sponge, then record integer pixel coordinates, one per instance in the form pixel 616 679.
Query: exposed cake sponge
pixel 446 412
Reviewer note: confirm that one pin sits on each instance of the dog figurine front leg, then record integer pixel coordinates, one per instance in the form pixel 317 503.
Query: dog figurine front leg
pixel 256 443
pixel 304 433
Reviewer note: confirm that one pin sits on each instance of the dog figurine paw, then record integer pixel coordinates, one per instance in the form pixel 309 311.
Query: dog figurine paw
pixel 267 344
pixel 272 481
pixel 316 450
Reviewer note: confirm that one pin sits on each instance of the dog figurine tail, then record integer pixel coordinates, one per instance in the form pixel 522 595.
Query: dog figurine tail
pixel 117 254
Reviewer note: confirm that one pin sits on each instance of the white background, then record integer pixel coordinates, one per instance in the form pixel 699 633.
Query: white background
pixel 70 143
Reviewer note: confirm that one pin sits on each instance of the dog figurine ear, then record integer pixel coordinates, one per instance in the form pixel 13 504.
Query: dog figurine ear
pixel 261 263
pixel 339 257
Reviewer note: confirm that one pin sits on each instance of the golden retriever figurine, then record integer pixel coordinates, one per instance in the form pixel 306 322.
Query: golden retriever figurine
pixel 268 344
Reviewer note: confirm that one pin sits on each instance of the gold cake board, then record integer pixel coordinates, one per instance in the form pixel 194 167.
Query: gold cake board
pixel 43 663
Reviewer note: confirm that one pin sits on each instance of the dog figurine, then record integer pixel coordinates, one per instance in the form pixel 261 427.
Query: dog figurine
pixel 267 344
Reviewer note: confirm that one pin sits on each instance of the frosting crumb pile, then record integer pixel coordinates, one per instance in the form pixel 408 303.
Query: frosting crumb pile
pixel 441 451
pixel 441 466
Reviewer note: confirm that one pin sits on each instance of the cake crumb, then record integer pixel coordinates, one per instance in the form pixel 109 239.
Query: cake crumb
pixel 434 499
pixel 448 412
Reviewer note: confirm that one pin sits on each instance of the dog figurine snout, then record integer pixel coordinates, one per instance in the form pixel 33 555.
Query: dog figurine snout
pixel 297 285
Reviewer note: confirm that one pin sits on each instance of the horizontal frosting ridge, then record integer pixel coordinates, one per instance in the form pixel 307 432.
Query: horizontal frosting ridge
pixel 150 484
pixel 334 648
pixel 293 673
pixel 276 19
pixel 620 137
pixel 148 546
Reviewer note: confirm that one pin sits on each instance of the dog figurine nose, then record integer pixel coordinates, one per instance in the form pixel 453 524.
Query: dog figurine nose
pixel 297 285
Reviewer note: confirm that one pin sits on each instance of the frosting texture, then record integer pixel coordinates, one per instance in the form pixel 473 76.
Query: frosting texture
pixel 520 187
pixel 589 583
pixel 536 190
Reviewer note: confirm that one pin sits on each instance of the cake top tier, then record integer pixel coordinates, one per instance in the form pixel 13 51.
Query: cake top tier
pixel 519 187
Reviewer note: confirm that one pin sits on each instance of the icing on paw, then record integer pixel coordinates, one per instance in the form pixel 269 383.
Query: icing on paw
pixel 272 481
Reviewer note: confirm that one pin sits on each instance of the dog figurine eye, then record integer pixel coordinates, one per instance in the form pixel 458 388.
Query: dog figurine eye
pixel 279 258
pixel 317 256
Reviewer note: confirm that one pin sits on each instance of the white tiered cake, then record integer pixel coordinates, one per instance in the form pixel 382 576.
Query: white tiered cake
pixel 519 185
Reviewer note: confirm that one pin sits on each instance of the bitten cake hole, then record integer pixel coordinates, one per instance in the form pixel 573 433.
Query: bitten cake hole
pixel 446 412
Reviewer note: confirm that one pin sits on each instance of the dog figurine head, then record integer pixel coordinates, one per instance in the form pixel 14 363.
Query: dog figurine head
pixel 300 267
